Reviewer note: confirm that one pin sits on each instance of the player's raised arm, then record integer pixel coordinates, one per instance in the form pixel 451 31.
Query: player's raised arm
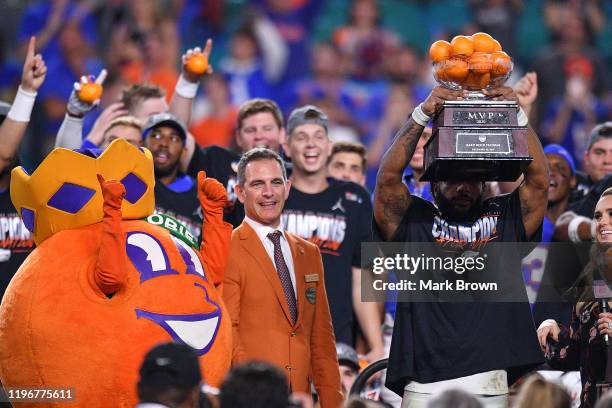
pixel 533 191
pixel 391 195
pixel 14 126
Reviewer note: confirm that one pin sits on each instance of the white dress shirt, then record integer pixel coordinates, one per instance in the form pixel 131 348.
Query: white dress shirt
pixel 262 232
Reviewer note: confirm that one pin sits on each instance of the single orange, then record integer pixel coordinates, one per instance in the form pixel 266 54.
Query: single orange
pixel 462 46
pixel 197 64
pixel 480 62
pixel 497 46
pixel 501 63
pixel 476 81
pixel 440 51
pixel 441 72
pixel 456 70
pixel 90 92
pixel 483 42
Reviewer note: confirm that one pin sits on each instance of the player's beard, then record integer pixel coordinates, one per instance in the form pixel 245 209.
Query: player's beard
pixel 449 211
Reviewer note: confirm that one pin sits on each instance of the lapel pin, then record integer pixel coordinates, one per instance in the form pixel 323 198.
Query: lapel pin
pixel 311 295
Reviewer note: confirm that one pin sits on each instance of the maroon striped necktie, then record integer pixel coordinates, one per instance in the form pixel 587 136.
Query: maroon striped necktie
pixel 283 274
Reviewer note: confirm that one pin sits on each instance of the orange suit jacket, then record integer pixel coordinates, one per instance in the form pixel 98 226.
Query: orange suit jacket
pixel 261 322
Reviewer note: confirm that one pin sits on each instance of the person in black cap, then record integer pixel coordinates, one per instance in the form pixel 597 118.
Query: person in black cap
pixel 170 377
pixel 175 193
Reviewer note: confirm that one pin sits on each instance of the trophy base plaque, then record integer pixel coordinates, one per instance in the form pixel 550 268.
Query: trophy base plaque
pixel 476 140
pixel 452 169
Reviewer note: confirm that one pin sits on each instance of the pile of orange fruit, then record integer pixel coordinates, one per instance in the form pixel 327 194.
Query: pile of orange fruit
pixel 470 62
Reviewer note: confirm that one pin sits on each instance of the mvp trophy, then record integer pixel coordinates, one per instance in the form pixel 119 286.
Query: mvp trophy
pixel 475 138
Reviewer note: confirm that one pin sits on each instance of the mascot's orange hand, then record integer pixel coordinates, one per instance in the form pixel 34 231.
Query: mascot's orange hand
pixel 112 192
pixel 212 196
pixel 110 273
pixel 216 233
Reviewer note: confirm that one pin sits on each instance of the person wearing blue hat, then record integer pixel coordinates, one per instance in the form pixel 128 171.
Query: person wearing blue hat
pixel 542 273
pixel 562 175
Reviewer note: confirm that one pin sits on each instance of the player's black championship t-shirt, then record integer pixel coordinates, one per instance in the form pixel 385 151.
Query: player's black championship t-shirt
pixel 221 164
pixel 15 241
pixel 337 220
pixel 183 206
pixel 441 341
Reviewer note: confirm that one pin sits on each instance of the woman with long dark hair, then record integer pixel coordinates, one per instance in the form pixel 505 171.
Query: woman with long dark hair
pixel 581 345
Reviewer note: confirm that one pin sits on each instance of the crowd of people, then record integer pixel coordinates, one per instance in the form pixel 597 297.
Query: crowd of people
pixel 320 148
pixel 364 72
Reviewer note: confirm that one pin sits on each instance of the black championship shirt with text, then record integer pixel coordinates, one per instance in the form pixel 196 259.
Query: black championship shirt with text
pixel 441 341
pixel 337 220
pixel 16 241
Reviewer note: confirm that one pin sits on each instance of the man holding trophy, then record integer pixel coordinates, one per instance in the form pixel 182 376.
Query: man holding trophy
pixel 477 137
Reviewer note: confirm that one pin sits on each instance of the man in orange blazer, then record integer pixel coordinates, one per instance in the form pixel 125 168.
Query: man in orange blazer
pixel 274 287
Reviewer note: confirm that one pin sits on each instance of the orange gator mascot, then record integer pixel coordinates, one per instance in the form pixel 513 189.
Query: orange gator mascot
pixel 109 279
